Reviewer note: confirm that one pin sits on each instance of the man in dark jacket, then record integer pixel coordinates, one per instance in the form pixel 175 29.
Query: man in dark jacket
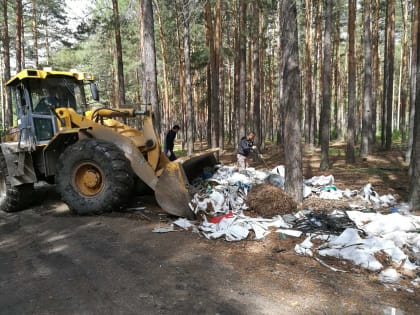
pixel 246 145
pixel 168 147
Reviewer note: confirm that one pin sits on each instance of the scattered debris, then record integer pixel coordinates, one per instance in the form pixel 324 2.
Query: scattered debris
pixel 346 228
pixel 163 229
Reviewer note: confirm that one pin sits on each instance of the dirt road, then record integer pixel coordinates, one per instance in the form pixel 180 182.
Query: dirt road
pixel 53 262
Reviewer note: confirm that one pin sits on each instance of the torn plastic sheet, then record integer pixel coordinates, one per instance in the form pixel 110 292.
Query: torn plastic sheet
pixel 163 229
pixel 305 248
pixel 320 180
pixel 183 223
pixel 293 233
pixel 237 228
pixel 360 251
pixel 389 275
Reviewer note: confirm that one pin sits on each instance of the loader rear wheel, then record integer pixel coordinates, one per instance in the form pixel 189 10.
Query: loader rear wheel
pixel 94 176
pixel 12 198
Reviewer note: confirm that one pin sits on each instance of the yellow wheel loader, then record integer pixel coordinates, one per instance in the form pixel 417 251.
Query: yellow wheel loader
pixel 94 158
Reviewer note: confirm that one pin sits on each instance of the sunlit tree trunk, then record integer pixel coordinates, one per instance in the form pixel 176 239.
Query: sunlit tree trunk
pixel 118 56
pixel 325 118
pixel 365 148
pixel 35 33
pixel 19 35
pixel 189 111
pixel 219 68
pixel 376 91
pixel 164 66
pixel 149 58
pixel 6 101
pixel 291 97
pixel 308 74
pixel 317 71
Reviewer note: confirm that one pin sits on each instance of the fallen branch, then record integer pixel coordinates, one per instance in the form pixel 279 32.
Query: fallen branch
pixel 328 266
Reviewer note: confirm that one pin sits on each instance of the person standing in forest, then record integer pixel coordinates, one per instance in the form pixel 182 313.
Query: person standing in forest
pixel 246 145
pixel 168 147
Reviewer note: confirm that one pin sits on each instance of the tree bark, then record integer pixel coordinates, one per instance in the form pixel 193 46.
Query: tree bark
pixel 325 118
pixel 388 76
pixel 308 75
pixel 350 156
pixel 220 77
pixel 242 69
pixel 150 94
pixel 164 71
pixel 19 35
pixel 414 194
pixel 256 75
pixel 413 71
pixel 376 94
pixel 365 148
pixel 403 77
pixel 189 110
pixel 7 100
pixel 291 97
pixel 120 99
pixel 35 33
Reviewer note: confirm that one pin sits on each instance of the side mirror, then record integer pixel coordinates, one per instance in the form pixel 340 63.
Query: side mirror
pixel 94 91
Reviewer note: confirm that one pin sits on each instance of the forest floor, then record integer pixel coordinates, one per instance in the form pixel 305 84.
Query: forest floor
pixel 54 262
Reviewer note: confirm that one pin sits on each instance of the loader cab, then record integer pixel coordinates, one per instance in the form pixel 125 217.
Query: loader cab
pixel 35 96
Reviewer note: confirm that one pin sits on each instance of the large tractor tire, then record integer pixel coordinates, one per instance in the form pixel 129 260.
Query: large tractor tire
pixel 12 198
pixel 94 176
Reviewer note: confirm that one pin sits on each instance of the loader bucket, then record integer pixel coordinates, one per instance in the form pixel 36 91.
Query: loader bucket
pixel 173 190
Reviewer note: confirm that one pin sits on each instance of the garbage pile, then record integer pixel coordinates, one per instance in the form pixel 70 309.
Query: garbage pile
pixel 386 243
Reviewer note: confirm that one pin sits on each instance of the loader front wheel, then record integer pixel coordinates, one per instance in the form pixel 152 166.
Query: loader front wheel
pixel 94 176
pixel 12 198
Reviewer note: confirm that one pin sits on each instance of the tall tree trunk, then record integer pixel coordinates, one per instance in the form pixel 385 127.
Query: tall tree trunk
pixel 308 74
pixel 35 33
pixel 280 102
pixel 403 77
pixel 325 118
pixel 235 112
pixel 414 194
pixel 413 72
pixel 7 100
pixel 47 43
pixel 19 35
pixel 119 58
pixel 214 75
pixel 189 110
pixel 365 148
pixel 256 74
pixel 317 73
pixel 338 130
pixel 291 97
pixel 388 76
pixel 376 70
pixel 350 156
pixel 219 63
pixel 149 58
pixel 242 69
pixel 164 70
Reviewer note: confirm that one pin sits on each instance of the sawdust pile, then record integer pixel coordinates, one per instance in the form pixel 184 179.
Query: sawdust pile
pixel 267 200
